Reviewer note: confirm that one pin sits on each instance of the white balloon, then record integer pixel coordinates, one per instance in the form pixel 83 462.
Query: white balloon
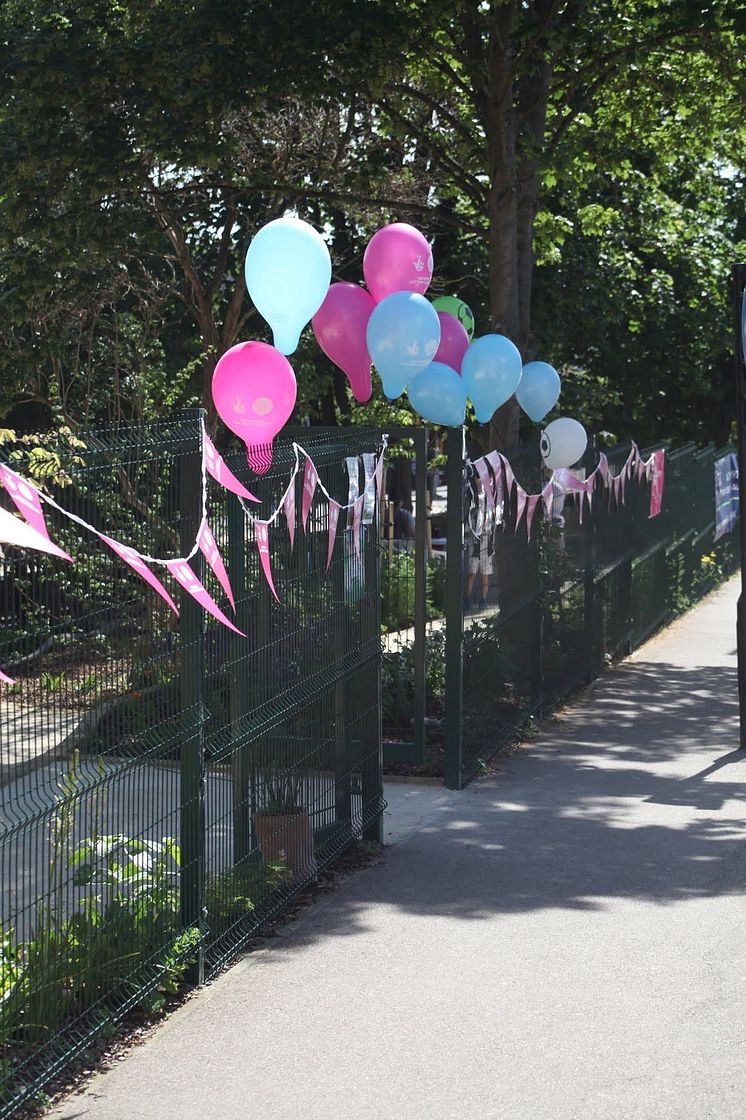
pixel 562 443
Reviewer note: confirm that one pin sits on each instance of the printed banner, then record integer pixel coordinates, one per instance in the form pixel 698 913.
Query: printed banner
pixel 310 479
pixel 726 494
pixel 289 508
pixel 353 470
pixel 334 508
pixel 369 505
pixel 357 513
pixel 5 679
pixel 193 586
pixel 209 548
pixel 15 531
pixel 136 562
pixel 219 470
pixel 656 489
pixel 261 528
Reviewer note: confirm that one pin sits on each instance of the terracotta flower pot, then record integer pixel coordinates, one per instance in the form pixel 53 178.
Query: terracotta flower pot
pixel 288 839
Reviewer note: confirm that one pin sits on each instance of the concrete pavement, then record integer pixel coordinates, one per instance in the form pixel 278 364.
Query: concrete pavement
pixel 562 940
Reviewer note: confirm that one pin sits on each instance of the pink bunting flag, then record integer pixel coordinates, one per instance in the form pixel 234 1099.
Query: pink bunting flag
pixel 5 679
pixel 531 503
pixel 217 468
pixel 603 468
pixel 310 479
pixel 484 477
pixel 261 529
pixel 334 508
pixel 580 506
pixel 193 586
pixel 520 504
pixel 136 562
pixel 495 462
pixel 17 531
pixel 547 495
pixel 26 499
pixel 211 552
pixel 508 475
pixel 568 481
pixel 656 489
pixel 357 513
pixel 289 508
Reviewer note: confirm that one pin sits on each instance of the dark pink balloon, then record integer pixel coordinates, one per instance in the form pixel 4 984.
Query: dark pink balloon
pixel 454 341
pixel 397 259
pixel 339 326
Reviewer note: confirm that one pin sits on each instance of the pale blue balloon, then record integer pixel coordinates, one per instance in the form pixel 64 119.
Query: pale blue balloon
pixel 288 272
pixel 538 390
pixel 438 394
pixel 403 334
pixel 491 372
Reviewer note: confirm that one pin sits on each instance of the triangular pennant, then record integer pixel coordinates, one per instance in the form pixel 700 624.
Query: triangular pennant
pixel 484 477
pixel 656 489
pixel 520 504
pixel 509 477
pixel 5 679
pixel 261 529
pixel 580 494
pixel 603 468
pixel 211 552
pixel 357 512
pixel 26 500
pixel 310 479
pixel 15 531
pixel 531 503
pixel 289 508
pixel 132 557
pixel 568 481
pixel 217 468
pixel 193 586
pixel 334 508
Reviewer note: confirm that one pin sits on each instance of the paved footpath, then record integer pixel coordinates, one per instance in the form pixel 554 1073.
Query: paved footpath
pixel 564 940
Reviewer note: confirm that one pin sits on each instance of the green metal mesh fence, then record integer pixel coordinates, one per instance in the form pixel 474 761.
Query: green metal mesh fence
pixel 166 786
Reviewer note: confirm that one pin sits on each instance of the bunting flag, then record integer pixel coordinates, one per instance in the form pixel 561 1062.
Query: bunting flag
pixel 531 503
pixel 507 473
pixel 369 505
pixel 217 468
pixel 520 504
pixel 25 497
pixel 334 508
pixel 183 574
pixel 657 459
pixel 567 480
pixel 132 557
pixel 209 549
pixel 310 479
pixel 484 477
pixel 288 506
pixel 547 495
pixel 357 512
pixel 262 543
pixel 5 679
pixel 498 497
pixel 15 531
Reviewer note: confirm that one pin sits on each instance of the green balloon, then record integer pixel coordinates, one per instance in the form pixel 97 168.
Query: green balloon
pixel 452 305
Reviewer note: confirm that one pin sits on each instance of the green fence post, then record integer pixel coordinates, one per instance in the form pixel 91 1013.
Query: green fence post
pixel 420 592
pixel 454 606
pixel 243 840
pixel 192 675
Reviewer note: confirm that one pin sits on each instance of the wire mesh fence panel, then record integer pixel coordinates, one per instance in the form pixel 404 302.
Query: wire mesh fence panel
pixel 166 784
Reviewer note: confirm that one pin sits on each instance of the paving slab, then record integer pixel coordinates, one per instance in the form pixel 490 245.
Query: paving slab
pixel 563 940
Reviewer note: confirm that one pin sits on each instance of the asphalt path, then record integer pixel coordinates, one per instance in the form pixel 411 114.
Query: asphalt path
pixel 562 940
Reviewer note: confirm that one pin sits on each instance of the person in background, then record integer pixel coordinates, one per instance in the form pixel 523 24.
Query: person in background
pixel 403 522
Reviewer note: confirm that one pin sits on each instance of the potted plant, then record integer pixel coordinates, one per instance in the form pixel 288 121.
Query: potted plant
pixel 283 825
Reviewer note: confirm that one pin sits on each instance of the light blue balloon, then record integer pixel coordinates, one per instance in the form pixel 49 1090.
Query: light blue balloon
pixel 403 334
pixel 288 272
pixel 538 390
pixel 438 394
pixel 491 372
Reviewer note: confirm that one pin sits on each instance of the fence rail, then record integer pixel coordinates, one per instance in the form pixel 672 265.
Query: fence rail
pixel 166 786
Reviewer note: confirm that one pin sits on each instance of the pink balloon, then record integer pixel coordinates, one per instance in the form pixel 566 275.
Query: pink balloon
pixel 454 341
pixel 397 259
pixel 254 391
pixel 339 326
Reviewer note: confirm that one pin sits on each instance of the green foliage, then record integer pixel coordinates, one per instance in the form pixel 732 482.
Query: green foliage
pixel 398 590
pixel 280 793
pixel 246 889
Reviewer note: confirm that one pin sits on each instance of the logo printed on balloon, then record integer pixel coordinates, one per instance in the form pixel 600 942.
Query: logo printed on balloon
pixel 397 259
pixel 288 272
pixel 259 379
